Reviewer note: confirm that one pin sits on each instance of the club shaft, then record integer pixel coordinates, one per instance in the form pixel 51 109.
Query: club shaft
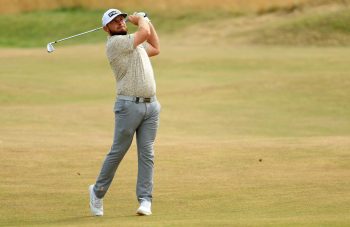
pixel 96 29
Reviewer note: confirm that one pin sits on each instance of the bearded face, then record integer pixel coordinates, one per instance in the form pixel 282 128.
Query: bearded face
pixel 117 26
pixel 118 32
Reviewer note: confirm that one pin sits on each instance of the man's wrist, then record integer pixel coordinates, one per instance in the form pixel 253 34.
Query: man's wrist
pixel 143 24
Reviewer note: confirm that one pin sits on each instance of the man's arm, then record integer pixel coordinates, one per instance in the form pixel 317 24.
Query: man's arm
pixel 153 41
pixel 143 33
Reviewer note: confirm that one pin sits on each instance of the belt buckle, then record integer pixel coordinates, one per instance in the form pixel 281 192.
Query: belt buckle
pixel 147 99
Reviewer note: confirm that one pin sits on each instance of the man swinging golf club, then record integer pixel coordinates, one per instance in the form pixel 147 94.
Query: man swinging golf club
pixel 136 108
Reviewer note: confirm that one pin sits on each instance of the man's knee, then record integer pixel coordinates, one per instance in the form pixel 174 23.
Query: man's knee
pixel 125 133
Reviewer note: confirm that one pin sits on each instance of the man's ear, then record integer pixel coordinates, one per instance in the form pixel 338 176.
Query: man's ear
pixel 106 29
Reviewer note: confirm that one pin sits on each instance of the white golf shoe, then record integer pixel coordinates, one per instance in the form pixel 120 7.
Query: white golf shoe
pixel 145 208
pixel 96 204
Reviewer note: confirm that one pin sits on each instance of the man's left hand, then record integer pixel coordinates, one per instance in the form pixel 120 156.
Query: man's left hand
pixel 142 14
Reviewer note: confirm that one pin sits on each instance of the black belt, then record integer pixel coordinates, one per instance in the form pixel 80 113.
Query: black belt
pixel 137 99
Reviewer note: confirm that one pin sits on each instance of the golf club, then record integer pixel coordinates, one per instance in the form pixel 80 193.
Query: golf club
pixel 51 48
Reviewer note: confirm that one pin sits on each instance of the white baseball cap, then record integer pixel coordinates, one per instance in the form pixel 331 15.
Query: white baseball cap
pixel 110 14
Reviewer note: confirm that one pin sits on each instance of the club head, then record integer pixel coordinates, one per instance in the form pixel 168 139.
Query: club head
pixel 50 48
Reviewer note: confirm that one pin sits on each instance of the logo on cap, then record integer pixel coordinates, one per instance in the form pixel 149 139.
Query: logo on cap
pixel 111 14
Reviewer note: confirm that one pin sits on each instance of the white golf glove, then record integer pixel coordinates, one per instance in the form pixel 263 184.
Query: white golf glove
pixel 142 14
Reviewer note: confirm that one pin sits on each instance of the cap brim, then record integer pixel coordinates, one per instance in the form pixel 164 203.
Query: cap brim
pixel 123 14
pixel 120 14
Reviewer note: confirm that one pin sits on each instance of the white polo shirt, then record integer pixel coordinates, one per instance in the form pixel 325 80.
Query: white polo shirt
pixel 131 66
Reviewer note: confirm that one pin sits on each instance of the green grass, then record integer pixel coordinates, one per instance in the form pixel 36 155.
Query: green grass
pixel 38 28
pixel 221 113
pixel 35 29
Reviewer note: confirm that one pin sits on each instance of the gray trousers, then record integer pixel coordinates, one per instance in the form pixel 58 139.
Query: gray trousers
pixel 131 117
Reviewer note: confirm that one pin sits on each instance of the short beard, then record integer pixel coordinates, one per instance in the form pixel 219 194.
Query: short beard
pixel 118 33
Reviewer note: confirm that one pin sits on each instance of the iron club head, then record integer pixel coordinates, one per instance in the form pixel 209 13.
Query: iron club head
pixel 50 47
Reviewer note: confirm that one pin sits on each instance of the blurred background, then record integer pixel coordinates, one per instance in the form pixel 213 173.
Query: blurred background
pixel 255 127
pixel 10 6
pixel 296 22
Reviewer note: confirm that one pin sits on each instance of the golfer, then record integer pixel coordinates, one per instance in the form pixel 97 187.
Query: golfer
pixel 136 108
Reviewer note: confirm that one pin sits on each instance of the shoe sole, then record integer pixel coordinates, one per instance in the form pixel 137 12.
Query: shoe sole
pixel 143 213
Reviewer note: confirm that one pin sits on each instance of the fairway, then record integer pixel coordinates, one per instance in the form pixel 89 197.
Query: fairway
pixel 249 136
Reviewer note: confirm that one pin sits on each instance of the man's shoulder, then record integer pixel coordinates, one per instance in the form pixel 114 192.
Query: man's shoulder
pixel 120 38
pixel 120 42
pixel 119 45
